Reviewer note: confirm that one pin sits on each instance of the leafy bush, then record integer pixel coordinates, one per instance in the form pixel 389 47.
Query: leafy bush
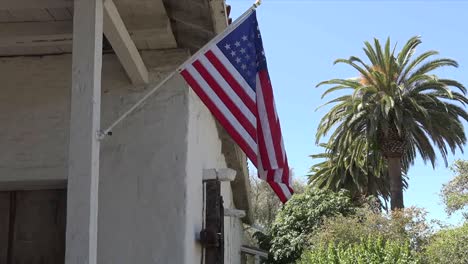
pixel 300 217
pixel 405 226
pixel 455 192
pixel 372 250
pixel 448 246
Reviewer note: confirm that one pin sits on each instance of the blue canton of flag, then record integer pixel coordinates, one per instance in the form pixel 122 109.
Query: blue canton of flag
pixel 243 47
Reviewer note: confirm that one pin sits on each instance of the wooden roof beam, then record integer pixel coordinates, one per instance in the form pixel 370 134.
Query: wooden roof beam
pixel 123 45
pixel 28 4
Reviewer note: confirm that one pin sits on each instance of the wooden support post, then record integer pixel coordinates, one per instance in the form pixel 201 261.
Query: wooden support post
pixel 83 177
pixel 212 237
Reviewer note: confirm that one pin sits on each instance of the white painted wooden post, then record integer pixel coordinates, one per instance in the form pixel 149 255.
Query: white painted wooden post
pixel 83 177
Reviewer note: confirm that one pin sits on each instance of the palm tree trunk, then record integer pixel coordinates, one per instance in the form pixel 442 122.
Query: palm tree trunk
pixel 396 183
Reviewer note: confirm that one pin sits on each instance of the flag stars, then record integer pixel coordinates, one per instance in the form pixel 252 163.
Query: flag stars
pixel 245 52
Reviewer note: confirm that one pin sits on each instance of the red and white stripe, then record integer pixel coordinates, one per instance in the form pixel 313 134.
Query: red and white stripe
pixel 249 117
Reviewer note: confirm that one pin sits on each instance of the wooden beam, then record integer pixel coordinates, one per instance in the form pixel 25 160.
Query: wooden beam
pixel 122 43
pixel 30 34
pixel 85 115
pixel 254 251
pixel 218 15
pixel 224 174
pixel 234 213
pixel 31 4
pixel 35 33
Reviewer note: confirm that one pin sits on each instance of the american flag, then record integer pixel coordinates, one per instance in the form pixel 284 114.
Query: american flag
pixel 230 76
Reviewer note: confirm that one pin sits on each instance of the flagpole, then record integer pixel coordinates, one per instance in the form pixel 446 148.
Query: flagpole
pixel 108 132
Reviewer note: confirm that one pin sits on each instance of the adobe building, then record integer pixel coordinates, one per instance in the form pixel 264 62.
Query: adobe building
pixel 68 194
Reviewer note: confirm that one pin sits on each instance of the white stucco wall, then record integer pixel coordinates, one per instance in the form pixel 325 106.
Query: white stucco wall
pixel 34 114
pixel 142 210
pixel 150 208
pixel 204 152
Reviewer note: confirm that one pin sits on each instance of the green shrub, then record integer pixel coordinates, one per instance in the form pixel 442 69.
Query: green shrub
pixel 406 226
pixel 372 250
pixel 455 192
pixel 300 217
pixel 448 246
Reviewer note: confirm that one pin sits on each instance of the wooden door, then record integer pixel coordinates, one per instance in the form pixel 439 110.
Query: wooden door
pixel 32 227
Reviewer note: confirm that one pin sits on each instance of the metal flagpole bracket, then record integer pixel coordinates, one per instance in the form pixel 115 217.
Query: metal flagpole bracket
pixel 101 134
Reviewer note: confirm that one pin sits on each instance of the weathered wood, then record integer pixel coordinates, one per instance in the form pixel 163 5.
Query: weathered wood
pixel 4 225
pixel 28 4
pixel 234 213
pixel 214 224
pixel 224 174
pixel 39 228
pixel 218 15
pixel 60 14
pixel 30 15
pixel 123 45
pixel 254 251
pixel 83 178
pixel 35 33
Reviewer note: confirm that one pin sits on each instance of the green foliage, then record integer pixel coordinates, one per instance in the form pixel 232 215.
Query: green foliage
pixel 449 246
pixel 301 216
pixel 371 250
pixel 364 174
pixel 455 193
pixel 405 226
pixel 265 203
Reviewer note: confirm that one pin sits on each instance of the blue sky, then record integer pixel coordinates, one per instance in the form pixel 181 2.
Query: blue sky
pixel 303 38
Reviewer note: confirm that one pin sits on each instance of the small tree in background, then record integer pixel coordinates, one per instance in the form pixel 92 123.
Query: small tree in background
pixel 265 203
pixel 455 192
pixel 448 246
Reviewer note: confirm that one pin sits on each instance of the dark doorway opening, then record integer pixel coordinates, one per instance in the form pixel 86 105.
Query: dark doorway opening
pixel 32 226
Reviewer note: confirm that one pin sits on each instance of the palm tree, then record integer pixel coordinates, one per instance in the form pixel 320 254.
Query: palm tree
pixel 363 175
pixel 399 106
